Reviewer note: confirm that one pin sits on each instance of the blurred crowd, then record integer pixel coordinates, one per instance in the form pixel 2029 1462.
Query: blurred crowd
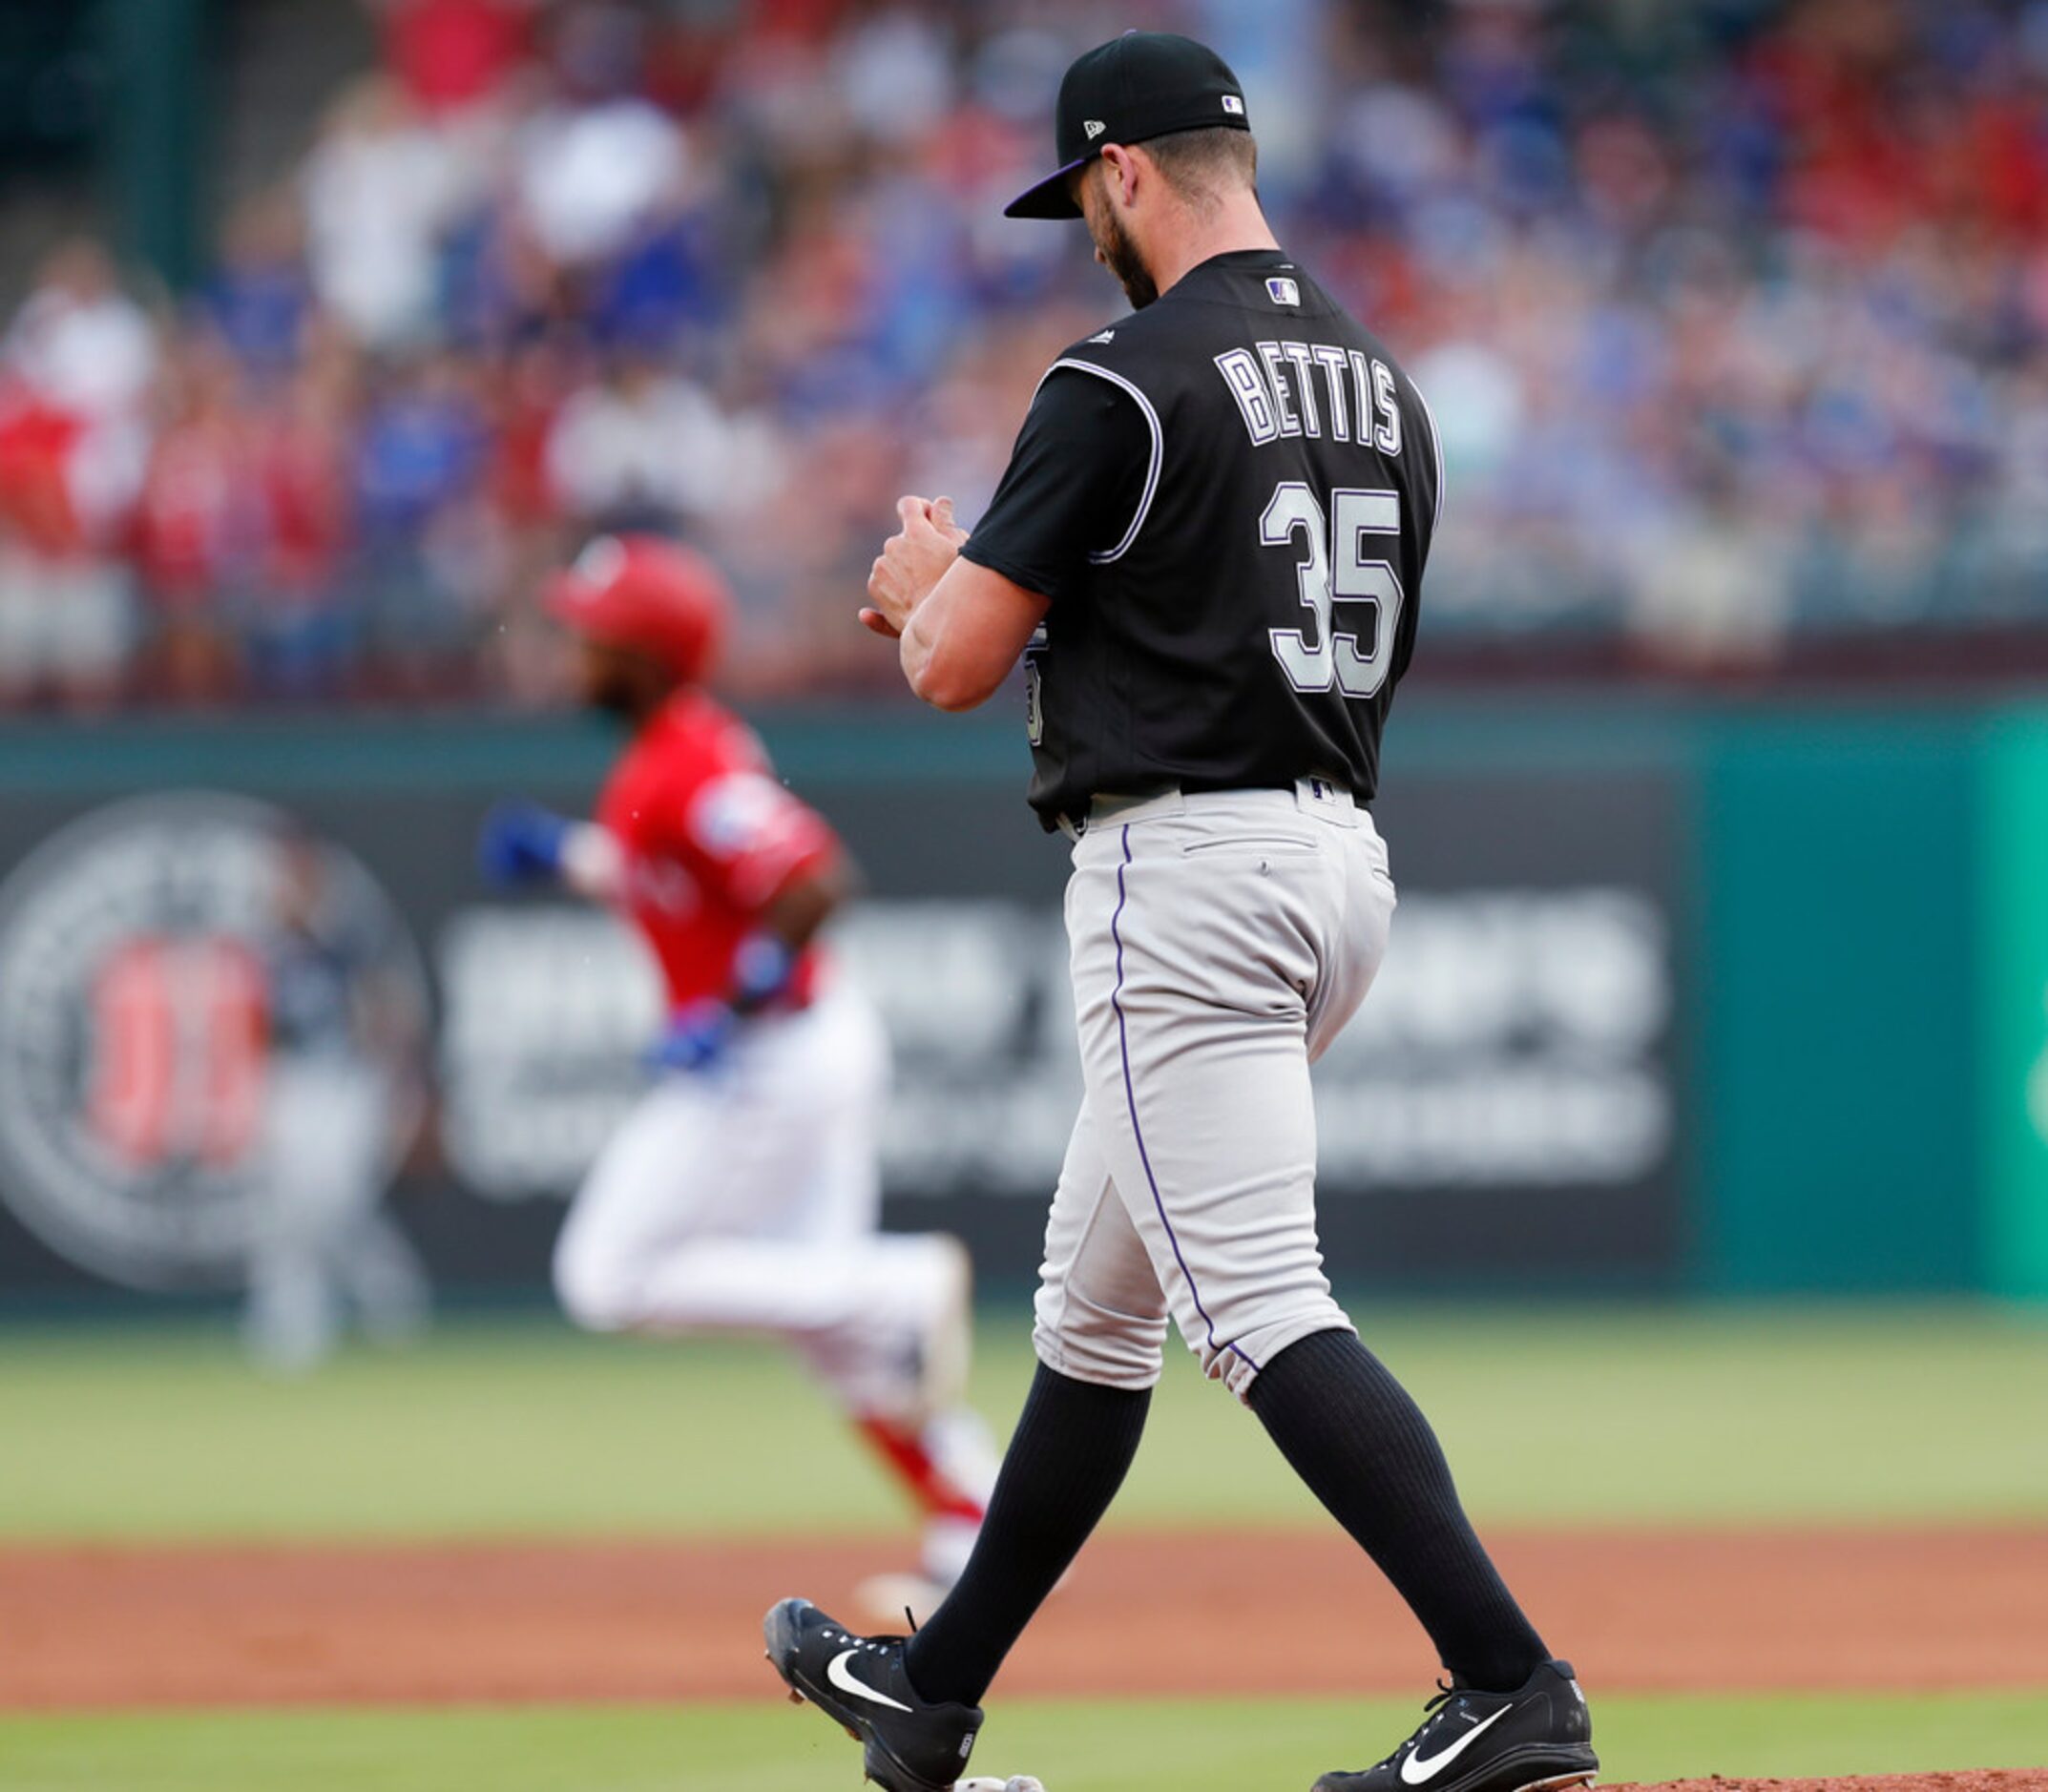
pixel 1734 314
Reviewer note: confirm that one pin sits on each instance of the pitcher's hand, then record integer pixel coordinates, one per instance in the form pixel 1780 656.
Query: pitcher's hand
pixel 911 562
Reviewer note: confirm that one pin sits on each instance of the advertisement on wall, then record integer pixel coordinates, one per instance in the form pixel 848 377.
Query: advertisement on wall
pixel 1506 1111
pixel 206 1005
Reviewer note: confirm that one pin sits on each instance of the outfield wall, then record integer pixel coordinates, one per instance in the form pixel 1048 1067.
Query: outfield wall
pixel 1682 997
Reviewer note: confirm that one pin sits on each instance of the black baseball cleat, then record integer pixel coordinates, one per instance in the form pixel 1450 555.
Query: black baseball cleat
pixel 859 1682
pixel 1537 1739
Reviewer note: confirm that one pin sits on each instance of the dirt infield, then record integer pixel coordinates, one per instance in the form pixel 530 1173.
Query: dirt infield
pixel 1248 1614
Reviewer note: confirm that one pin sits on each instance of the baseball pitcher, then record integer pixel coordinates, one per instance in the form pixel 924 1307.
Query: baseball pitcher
pixel 1207 550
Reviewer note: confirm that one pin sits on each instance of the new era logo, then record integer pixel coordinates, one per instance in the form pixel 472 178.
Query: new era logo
pixel 1282 292
pixel 1233 105
pixel 1094 127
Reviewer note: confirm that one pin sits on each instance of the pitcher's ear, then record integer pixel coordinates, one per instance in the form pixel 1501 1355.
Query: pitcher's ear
pixel 1120 170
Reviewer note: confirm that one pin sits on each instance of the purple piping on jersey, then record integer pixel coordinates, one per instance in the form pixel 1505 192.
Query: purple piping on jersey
pixel 1130 1096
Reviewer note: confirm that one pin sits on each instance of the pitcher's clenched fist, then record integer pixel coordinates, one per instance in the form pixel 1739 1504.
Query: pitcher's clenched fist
pixel 911 562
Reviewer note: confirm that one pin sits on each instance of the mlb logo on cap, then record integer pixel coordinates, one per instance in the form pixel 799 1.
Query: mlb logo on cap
pixel 1282 291
pixel 1234 105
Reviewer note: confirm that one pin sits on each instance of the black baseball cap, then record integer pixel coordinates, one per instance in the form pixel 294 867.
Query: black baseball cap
pixel 1141 85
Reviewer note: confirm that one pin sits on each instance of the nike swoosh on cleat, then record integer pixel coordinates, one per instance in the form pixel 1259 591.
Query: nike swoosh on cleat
pixel 1416 1771
pixel 842 1677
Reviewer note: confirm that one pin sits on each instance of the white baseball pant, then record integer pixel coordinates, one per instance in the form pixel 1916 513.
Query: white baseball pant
pixel 1220 942
pixel 746 1198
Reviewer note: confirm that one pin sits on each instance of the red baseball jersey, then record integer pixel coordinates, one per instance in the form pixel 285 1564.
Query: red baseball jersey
pixel 709 839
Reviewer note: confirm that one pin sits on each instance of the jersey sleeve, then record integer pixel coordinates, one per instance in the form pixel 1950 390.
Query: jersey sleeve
pixel 1079 481
pixel 743 837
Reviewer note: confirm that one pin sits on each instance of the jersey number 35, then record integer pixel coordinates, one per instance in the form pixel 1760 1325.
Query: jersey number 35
pixel 1338 569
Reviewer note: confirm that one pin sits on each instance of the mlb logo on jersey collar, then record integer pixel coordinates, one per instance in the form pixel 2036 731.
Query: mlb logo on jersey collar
pixel 1282 291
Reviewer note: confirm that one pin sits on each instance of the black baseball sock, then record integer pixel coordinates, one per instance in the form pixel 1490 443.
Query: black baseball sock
pixel 1069 1455
pixel 1353 1434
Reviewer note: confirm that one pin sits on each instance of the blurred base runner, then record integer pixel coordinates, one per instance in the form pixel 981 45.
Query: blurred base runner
pixel 743 1193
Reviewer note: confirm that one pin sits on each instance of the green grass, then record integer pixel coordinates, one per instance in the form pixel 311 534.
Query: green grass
pixel 1217 1745
pixel 523 1428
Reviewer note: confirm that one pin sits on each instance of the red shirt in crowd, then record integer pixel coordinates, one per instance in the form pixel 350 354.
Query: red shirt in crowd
pixel 199 511
pixel 36 445
pixel 449 53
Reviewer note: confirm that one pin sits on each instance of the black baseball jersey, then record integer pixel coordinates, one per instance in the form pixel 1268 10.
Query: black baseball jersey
pixel 1229 498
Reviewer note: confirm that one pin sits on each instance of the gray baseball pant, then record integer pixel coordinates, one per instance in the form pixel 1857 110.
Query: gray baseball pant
pixel 1220 942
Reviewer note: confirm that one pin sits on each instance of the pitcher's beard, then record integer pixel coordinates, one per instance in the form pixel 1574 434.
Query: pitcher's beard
pixel 1121 255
